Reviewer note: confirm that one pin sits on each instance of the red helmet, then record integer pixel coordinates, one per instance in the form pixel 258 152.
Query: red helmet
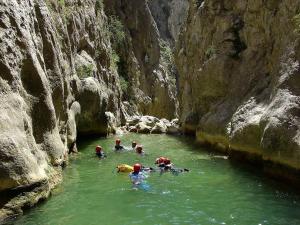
pixel 98 148
pixel 137 167
pixel 160 160
pixel 118 141
pixel 167 161
pixel 139 148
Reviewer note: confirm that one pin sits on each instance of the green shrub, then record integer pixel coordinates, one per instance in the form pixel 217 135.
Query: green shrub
pixel 297 23
pixel 85 71
pixel 64 11
pixel 167 59
pixel 116 30
pixel 114 60
pixel 210 52
pixel 167 56
pixel 61 3
pixel 99 5
pixel 124 84
pixel 166 52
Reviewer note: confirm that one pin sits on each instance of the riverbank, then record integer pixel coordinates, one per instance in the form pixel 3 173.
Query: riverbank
pixel 15 201
pixel 276 169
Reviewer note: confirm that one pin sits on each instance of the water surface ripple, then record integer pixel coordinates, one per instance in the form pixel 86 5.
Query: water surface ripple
pixel 214 192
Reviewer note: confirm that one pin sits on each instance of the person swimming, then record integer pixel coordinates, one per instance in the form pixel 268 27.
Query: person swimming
pixel 165 165
pixel 160 160
pixel 118 146
pixel 139 150
pixel 137 177
pixel 133 145
pixel 99 152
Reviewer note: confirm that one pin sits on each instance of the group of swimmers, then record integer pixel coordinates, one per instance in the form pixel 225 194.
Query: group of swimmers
pixel 140 173
pixel 137 148
pixel 137 172
pixel 118 148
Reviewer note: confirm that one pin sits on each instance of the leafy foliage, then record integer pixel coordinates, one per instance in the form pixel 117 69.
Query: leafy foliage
pixel 61 2
pixel 166 52
pixel 167 58
pixel 99 5
pixel 116 30
pixel 124 84
pixel 297 24
pixel 85 71
pixel 210 52
pixel 114 60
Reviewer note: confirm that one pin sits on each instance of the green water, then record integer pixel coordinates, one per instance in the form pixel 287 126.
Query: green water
pixel 213 192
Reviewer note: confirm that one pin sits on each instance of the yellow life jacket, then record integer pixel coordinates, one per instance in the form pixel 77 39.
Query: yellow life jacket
pixel 124 168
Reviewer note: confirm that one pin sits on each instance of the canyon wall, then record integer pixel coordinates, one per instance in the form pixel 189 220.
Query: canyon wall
pixel 239 86
pixel 150 85
pixel 83 66
pixel 60 76
pixel 55 81
pixel 169 16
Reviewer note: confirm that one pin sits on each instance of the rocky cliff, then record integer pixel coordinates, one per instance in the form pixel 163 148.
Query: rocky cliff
pixel 239 79
pixel 169 16
pixel 72 67
pixel 150 84
pixel 55 81
pixel 62 74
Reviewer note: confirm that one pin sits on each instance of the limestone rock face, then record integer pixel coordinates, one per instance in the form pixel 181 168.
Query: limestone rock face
pixel 143 128
pixel 150 88
pixel 170 16
pixel 57 80
pixel 153 125
pixel 239 77
pixel 91 102
pixel 173 127
pixel 159 128
pixel 30 119
pixel 75 110
pixel 149 120
pixel 54 82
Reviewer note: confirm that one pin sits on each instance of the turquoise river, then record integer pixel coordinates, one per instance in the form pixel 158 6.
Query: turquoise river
pixel 215 191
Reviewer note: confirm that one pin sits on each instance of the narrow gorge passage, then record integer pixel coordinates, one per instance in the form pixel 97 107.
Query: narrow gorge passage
pixel 213 192
pixel 224 72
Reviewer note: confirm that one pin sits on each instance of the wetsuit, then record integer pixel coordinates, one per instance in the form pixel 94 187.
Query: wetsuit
pixel 148 169
pixel 137 178
pixel 101 154
pixel 119 147
pixel 140 152
pixel 175 171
